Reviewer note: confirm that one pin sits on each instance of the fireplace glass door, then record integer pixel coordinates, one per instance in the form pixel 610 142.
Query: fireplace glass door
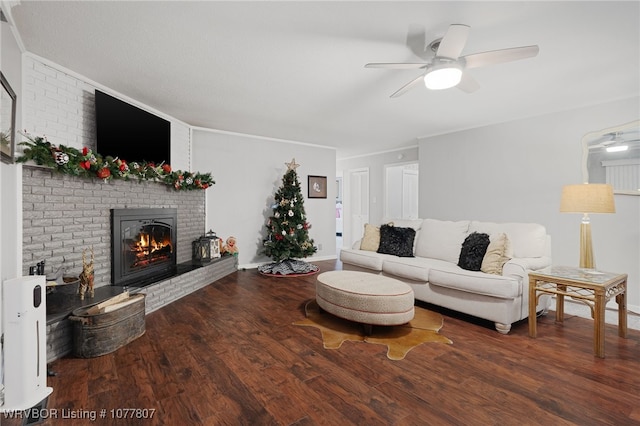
pixel 143 244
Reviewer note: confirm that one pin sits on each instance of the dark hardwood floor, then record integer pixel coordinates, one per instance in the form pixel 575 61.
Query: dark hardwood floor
pixel 229 354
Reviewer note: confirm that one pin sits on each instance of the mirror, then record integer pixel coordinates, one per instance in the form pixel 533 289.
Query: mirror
pixel 7 120
pixel 612 156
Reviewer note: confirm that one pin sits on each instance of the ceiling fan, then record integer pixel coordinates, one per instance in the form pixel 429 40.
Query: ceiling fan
pixel 615 141
pixel 448 69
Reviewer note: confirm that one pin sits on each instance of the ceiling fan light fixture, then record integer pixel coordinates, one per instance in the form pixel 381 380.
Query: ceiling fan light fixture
pixel 617 148
pixel 443 76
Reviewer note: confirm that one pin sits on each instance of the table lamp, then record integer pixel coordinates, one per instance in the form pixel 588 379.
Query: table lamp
pixel 587 198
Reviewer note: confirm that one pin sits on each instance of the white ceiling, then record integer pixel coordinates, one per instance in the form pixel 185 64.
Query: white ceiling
pixel 295 70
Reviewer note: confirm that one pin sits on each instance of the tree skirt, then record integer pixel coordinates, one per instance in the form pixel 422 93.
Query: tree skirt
pixel 288 268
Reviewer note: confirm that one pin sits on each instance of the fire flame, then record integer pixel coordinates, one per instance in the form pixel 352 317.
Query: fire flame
pixel 148 249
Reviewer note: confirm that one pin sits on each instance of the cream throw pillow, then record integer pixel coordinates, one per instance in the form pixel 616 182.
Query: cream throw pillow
pixel 498 253
pixel 371 239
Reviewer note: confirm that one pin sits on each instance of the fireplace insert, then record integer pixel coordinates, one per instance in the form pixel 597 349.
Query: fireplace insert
pixel 143 245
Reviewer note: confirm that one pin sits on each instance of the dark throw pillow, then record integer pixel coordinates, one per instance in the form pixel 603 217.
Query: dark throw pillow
pixel 396 241
pixel 473 250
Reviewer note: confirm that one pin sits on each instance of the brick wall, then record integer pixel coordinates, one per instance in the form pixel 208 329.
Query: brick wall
pixel 62 215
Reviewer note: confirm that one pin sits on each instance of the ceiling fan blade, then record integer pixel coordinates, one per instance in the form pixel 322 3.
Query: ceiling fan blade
pixel 416 42
pixel 609 143
pixel 483 59
pixel 467 83
pixel 453 41
pixel 401 91
pixel 396 66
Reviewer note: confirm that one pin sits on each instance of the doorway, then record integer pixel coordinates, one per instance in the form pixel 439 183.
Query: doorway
pixel 356 205
pixel 339 213
pixel 401 191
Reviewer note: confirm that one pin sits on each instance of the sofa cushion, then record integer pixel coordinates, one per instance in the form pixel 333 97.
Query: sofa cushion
pixel 498 253
pixel 527 239
pixel 457 278
pixel 396 240
pixel 473 250
pixel 411 268
pixel 371 239
pixel 441 239
pixel 362 258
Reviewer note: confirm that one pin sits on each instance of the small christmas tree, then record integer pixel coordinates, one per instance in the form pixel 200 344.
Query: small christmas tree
pixel 288 230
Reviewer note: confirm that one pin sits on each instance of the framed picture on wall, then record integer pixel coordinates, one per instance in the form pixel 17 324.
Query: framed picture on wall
pixel 7 121
pixel 317 186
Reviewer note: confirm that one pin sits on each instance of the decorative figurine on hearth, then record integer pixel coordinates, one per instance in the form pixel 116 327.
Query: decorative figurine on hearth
pixel 230 247
pixel 207 247
pixel 86 276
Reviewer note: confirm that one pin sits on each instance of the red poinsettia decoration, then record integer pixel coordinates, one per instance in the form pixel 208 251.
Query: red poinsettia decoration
pixel 103 173
pixel 166 168
pixel 122 165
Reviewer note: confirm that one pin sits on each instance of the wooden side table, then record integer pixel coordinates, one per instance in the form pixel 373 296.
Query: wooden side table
pixel 593 288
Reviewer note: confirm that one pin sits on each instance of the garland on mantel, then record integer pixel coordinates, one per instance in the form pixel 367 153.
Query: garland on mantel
pixel 85 163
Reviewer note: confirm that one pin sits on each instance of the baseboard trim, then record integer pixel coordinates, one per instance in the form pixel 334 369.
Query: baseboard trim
pixel 579 309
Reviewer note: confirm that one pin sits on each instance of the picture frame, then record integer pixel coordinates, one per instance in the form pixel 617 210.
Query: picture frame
pixel 7 121
pixel 317 186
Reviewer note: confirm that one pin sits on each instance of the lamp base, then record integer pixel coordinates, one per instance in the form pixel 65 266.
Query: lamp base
pixel 586 249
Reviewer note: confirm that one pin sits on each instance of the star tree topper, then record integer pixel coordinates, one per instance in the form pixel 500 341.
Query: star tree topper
pixel 292 165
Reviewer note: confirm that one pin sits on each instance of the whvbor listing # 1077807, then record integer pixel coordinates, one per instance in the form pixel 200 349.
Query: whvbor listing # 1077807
pixel 91 415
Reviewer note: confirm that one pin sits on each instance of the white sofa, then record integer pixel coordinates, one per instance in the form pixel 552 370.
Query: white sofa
pixel 436 278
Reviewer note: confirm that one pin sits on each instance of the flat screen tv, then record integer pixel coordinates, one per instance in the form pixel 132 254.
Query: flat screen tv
pixel 130 133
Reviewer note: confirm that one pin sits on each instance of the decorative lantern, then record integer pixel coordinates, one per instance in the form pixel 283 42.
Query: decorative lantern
pixel 206 247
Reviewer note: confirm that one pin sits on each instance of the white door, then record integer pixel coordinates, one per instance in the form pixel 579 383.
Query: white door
pixel 409 194
pixel 401 191
pixel 339 209
pixel 356 206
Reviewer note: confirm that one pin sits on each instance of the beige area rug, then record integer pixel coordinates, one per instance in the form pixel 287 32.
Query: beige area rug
pixel 399 339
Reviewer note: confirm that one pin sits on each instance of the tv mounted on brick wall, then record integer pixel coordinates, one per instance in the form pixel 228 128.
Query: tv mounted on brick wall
pixel 130 133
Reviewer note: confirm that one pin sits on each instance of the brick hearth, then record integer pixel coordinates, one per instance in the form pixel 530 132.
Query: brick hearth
pixel 60 329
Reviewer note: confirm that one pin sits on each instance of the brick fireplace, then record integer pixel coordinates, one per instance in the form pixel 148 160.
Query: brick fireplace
pixel 62 215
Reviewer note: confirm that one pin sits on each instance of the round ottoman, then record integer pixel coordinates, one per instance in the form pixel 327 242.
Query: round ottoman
pixel 365 298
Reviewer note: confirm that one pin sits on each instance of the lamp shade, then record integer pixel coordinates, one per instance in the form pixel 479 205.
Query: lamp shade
pixel 587 198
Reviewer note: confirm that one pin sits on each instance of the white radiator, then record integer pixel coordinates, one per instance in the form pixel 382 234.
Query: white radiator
pixel 25 342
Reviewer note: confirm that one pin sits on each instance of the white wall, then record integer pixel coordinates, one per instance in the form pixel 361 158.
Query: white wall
pixel 248 171
pixel 10 175
pixel 515 172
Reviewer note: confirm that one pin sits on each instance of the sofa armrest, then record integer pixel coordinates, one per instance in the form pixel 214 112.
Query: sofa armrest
pixel 520 266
